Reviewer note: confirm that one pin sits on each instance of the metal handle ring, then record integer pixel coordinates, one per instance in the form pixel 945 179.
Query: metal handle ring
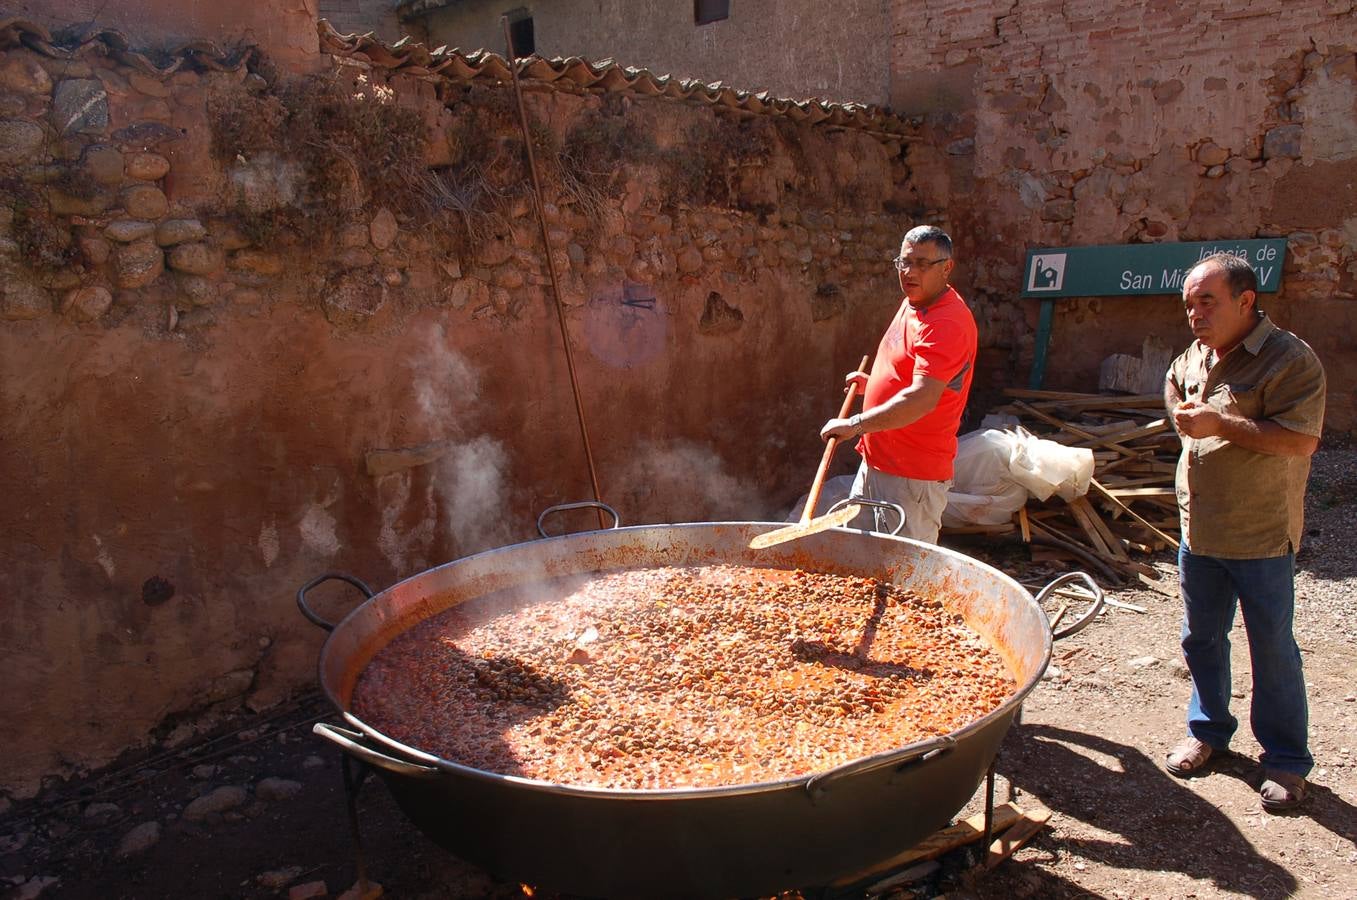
pixel 583 504
pixel 337 576
pixel 1065 627
pixel 878 504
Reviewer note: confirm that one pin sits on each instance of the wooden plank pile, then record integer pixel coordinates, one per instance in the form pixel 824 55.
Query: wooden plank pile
pixel 1131 509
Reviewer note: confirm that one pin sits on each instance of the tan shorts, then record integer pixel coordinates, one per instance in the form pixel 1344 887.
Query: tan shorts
pixel 922 501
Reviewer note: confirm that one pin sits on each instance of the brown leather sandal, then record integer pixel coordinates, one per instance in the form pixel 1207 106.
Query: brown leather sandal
pixel 1188 757
pixel 1282 790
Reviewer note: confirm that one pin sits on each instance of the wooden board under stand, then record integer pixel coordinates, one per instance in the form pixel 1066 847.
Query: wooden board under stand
pixel 1012 828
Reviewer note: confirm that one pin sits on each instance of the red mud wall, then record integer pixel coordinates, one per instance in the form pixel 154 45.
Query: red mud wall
pixel 196 368
pixel 1098 122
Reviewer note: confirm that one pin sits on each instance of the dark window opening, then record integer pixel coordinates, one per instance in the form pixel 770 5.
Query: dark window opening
pixel 520 32
pixel 705 11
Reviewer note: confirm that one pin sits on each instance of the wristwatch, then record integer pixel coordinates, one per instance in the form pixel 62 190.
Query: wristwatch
pixel 856 422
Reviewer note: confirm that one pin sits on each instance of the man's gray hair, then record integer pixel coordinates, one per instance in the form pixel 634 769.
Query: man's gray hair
pixel 929 234
pixel 1239 275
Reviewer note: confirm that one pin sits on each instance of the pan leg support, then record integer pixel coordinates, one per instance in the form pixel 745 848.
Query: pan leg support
pixel 355 773
pixel 989 809
pixel 1012 787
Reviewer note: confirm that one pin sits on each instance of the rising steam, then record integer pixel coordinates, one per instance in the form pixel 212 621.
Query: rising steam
pixel 682 481
pixel 445 496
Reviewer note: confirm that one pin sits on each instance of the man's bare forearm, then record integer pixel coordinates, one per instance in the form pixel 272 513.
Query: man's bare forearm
pixel 905 408
pixel 1265 436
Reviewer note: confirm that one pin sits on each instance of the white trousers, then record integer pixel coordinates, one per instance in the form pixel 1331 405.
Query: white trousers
pixel 922 501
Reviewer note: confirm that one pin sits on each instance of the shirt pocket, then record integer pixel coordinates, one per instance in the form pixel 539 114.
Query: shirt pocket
pixel 1241 399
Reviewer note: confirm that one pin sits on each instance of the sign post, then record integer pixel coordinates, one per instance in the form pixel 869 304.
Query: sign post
pixel 1129 270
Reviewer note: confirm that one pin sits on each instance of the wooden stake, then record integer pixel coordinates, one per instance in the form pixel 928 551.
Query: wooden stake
pixel 1113 542
pixel 1077 432
pixel 1133 514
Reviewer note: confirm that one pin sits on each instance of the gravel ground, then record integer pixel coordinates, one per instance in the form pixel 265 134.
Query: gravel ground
pixel 258 810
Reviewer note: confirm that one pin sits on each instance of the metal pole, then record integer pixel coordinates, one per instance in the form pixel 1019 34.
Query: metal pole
pixel 551 263
pixel 1043 343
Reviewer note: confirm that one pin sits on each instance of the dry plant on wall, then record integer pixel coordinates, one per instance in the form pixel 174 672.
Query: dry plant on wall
pixel 487 169
pixel 705 165
pixel 348 136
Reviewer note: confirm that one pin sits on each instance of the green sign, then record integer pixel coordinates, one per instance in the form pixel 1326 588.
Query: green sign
pixel 1113 271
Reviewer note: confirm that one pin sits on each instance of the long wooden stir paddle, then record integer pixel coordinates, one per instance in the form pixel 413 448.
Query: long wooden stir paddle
pixel 807 525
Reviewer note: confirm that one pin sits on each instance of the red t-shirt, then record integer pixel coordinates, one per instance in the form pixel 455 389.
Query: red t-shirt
pixel 940 342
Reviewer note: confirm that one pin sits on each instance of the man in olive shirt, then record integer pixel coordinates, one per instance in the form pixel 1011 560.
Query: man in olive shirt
pixel 1248 400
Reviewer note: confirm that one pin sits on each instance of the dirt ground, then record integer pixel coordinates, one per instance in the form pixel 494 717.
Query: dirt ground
pixel 1089 748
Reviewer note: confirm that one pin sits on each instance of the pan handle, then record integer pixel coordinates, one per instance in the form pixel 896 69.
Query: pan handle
pixel 879 504
pixel 583 504
pixel 319 579
pixel 350 743
pixel 818 785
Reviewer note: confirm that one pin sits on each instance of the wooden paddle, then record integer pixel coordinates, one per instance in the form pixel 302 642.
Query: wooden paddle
pixel 839 517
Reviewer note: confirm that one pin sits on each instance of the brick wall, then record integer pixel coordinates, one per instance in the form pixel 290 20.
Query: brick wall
pixel 1097 122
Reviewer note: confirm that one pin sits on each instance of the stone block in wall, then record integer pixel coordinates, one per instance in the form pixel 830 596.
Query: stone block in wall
pixel 23 75
pixel 87 303
pixel 508 277
pixel 146 166
pixel 21 141
pixel 688 259
pixel 383 229
pixel 145 201
pixel 138 264
pixel 79 106
pixel 356 258
pixel 95 250
pixel 22 299
pixel 195 289
pixel 196 258
pixel 353 298
pixel 179 231
pixel 103 163
pixel 125 231
pixel 94 203
pixel 1212 154
pixel 353 235
pixel 1282 142
pixel 493 252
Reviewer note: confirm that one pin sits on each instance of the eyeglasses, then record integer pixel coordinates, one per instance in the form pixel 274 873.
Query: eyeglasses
pixel 904 263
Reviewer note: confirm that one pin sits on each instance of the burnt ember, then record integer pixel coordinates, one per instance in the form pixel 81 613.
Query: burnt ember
pixel 682 677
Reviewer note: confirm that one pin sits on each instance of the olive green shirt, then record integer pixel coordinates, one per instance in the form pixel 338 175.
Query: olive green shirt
pixel 1237 503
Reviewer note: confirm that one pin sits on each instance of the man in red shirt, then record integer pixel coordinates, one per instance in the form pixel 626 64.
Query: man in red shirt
pixel 916 392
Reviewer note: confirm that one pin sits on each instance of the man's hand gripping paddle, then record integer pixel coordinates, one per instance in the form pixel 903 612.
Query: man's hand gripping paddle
pixel 807 525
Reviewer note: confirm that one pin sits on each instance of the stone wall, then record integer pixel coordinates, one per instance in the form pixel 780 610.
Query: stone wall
pixel 1092 122
pixel 282 29
pixel 793 48
pixel 256 325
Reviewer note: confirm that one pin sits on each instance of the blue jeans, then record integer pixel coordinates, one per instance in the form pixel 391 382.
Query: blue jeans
pixel 1265 590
